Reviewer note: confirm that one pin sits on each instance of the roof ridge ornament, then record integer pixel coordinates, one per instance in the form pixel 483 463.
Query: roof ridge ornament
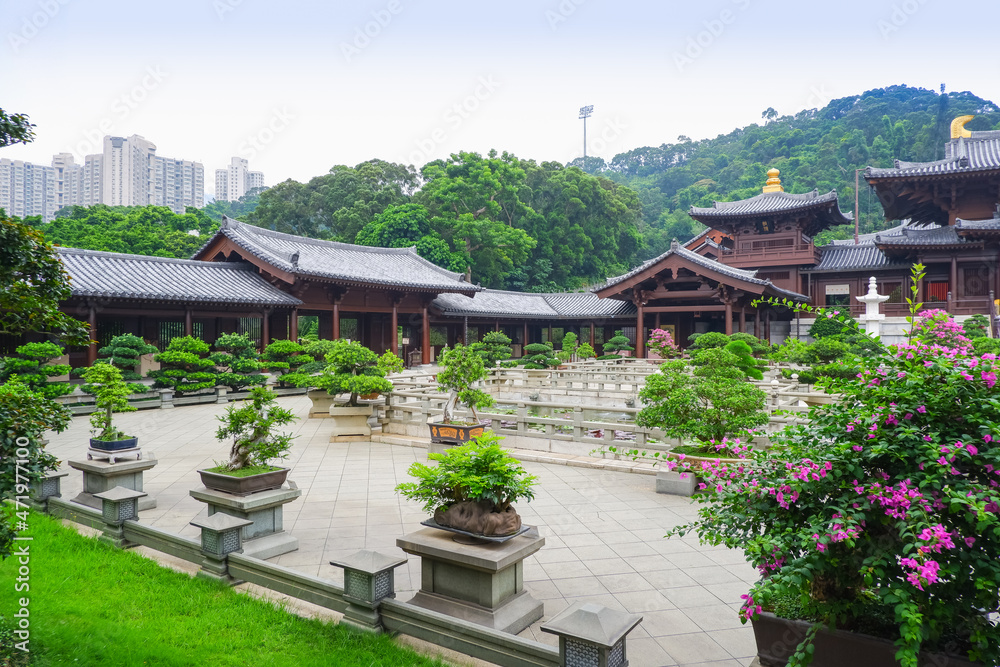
pixel 674 244
pixel 773 182
pixel 958 127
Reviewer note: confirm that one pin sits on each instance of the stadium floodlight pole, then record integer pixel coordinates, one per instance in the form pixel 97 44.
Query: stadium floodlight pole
pixel 585 114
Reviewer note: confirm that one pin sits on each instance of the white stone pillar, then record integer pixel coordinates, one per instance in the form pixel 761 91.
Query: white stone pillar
pixel 872 318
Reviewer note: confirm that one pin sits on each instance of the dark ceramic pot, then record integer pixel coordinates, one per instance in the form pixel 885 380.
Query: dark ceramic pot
pixel 457 434
pixel 244 486
pixel 777 638
pixel 114 445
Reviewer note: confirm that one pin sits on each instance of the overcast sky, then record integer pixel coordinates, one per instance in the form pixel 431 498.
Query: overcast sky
pixel 297 87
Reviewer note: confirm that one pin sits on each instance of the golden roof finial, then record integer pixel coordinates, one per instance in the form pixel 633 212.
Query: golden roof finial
pixel 958 127
pixel 773 182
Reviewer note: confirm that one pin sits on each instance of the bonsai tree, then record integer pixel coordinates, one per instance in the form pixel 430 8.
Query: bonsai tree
pixel 317 351
pixel 617 343
pixel 237 362
pixel 569 346
pixel 472 487
pixel 539 355
pixel 585 351
pixel 744 359
pixel 714 402
pixel 32 367
pixel 757 346
pixel 882 513
pixel 708 340
pixel 111 394
pixel 184 366
pixel 661 342
pixel 284 356
pixel 351 368
pixel 494 347
pixel 252 426
pixel 389 363
pixel 461 367
pixel 123 353
pixel 976 326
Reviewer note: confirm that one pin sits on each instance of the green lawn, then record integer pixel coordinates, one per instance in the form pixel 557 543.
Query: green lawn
pixel 94 605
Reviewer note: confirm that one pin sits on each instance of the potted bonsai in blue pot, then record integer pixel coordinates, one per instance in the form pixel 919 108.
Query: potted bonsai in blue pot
pixel 111 394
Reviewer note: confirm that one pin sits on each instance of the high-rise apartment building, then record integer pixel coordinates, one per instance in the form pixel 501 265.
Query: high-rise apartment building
pixel 236 180
pixel 127 173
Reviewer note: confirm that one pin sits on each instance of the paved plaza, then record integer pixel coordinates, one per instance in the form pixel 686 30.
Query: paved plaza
pixel 603 530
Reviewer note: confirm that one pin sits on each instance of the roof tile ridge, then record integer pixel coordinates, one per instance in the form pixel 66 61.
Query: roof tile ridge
pixel 86 252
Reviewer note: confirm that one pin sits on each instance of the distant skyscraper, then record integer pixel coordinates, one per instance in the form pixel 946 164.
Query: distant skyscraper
pixel 236 180
pixel 127 173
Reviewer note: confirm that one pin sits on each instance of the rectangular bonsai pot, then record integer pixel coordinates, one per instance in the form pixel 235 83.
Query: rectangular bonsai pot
pixel 243 486
pixel 114 445
pixel 777 638
pixel 458 434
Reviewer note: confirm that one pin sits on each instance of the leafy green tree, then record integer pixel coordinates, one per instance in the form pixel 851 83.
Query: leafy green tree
pixel 708 340
pixel 494 347
pixel 184 366
pixel 251 425
pixel 474 205
pixel 585 351
pixel 744 359
pixel 408 225
pixel 124 352
pixel 239 209
pixel 15 129
pixel 34 282
pixel 976 326
pixel 111 394
pixel 32 367
pixel 617 343
pixel 238 363
pixel 284 356
pixel 539 356
pixel 336 205
pixel 461 368
pixel 351 368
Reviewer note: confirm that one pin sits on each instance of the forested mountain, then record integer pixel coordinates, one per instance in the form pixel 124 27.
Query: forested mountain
pixel 520 224
pixel 815 148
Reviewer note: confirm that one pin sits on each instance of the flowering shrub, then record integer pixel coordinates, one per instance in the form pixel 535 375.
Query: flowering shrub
pixel 884 506
pixel 937 327
pixel 661 342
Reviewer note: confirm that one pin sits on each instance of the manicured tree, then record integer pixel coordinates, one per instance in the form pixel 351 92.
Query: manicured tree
pixel 351 368
pixel 831 326
pixel 32 367
pixel 661 342
pixel 123 353
pixel 184 366
pixel 585 351
pixel 111 394
pixel 569 347
pixel 825 350
pixel 617 343
pixel 709 340
pixel 251 426
pixel 317 350
pixel 461 367
pixel 237 361
pixel 388 364
pixel 744 359
pixel 977 326
pixel 757 346
pixel 284 356
pixel 494 347
pixel 539 355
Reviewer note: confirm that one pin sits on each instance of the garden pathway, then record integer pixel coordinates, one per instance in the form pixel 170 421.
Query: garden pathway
pixel 603 529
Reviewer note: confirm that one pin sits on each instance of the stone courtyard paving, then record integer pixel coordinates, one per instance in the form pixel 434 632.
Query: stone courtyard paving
pixel 603 530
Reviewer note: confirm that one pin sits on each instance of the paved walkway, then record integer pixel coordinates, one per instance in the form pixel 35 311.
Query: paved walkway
pixel 603 529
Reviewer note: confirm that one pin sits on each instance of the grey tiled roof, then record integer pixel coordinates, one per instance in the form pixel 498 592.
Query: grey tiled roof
pixel 980 152
pixel 930 236
pixel 115 275
pixel 772 202
pixel 344 262
pixel 681 251
pixel 863 256
pixel 988 225
pixel 499 303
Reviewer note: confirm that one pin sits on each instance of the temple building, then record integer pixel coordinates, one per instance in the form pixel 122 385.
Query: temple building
pixel 263 283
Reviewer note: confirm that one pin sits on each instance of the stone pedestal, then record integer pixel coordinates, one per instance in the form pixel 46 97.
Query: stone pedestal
pixel 676 483
pixel 321 403
pixel 265 537
pixel 350 422
pixel 101 476
pixel 480 583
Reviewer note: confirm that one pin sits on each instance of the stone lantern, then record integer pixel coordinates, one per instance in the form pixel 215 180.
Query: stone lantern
pixel 591 635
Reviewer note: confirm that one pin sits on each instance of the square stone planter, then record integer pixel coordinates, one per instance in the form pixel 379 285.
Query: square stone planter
pixel 671 482
pixel 479 583
pixel 265 537
pixel 321 403
pixel 350 421
pixel 101 476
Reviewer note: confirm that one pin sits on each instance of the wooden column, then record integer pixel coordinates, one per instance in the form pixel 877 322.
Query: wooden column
pixel 524 339
pixel 293 325
pixel 592 335
pixel 394 337
pixel 756 324
pixel 657 320
pixel 640 344
pixel 336 321
pixel 743 320
pixel 953 286
pixel 92 348
pixel 729 317
pixel 425 336
pixel 550 336
pixel 188 324
pixel 496 326
pixel 265 329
